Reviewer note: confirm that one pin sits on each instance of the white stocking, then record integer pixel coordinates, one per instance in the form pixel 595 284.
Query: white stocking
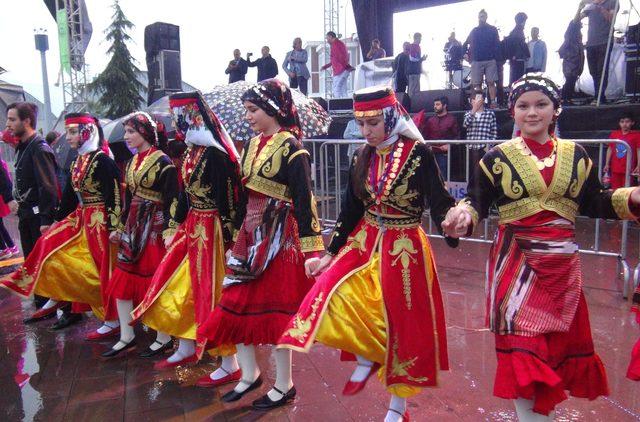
pixel 161 340
pixel 229 366
pixel 186 348
pixel 284 382
pixel 399 405
pixel 124 315
pixel 247 360
pixel 524 410
pixel 362 370
pixel 50 304
pixel 108 326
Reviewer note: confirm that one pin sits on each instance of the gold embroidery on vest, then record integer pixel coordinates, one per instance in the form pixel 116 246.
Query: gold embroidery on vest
pixel 150 178
pixel 272 168
pixel 511 188
pixel 576 185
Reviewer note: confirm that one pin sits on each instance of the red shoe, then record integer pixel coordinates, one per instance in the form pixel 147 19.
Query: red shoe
pixel 96 336
pixel 165 364
pixel 207 382
pixel 353 387
pixel 42 313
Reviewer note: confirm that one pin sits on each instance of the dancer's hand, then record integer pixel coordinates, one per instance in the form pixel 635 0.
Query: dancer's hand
pixel 168 241
pixel 316 266
pixel 635 197
pixel 13 206
pixel 114 237
pixel 44 229
pixel 457 222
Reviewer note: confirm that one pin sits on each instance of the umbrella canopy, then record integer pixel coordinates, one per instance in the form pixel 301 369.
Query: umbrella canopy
pixel 225 101
pixel 114 130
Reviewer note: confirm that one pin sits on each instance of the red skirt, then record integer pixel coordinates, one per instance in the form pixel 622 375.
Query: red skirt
pixel 131 281
pixel 258 311
pixel 543 367
pixel 633 372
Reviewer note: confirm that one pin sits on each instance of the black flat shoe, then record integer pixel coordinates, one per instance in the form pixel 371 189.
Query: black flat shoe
pixel 67 320
pixel 149 353
pixel 233 395
pixel 33 319
pixel 265 403
pixel 112 353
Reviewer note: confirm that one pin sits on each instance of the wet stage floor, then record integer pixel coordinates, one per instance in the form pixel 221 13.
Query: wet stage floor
pixel 52 376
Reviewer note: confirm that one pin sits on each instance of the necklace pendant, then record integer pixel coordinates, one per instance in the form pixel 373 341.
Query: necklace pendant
pixel 540 165
pixel 548 162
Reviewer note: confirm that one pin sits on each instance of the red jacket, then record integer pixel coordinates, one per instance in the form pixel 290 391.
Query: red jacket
pixel 339 57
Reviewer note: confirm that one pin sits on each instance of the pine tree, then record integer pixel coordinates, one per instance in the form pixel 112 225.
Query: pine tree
pixel 117 85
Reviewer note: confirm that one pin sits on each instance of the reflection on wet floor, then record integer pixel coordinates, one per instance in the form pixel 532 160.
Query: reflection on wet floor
pixel 52 376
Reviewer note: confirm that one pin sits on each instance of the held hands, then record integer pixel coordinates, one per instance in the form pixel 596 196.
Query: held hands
pixel 44 229
pixel 316 266
pixel 13 207
pixel 114 237
pixel 635 197
pixel 168 241
pixel 457 222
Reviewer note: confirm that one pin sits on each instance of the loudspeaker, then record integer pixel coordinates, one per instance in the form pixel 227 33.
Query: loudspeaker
pixel 632 83
pixel 425 99
pixel 342 104
pixel 161 36
pixel 162 47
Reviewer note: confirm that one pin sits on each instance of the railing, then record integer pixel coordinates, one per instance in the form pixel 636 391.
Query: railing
pixel 330 169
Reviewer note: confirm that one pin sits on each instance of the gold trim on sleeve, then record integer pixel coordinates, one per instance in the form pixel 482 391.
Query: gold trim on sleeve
pixel 311 243
pixel 620 202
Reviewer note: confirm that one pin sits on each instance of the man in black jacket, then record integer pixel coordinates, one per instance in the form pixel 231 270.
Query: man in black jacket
pixel 516 49
pixel 237 67
pixel 35 189
pixel 267 66
pixel 400 68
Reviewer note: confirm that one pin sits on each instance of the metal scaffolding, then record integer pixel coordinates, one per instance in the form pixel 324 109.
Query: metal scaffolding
pixel 331 23
pixel 74 82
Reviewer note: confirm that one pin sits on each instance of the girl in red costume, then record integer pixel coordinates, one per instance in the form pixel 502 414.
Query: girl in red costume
pixel 266 280
pixel 378 276
pixel 535 304
pixel 73 260
pixel 151 189
pixel 188 282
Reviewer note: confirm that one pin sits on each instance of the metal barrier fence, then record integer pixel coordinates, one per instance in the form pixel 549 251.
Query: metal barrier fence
pixel 331 158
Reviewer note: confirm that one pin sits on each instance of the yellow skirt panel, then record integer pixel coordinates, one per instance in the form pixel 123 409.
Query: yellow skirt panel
pixel 173 311
pixel 355 321
pixel 70 274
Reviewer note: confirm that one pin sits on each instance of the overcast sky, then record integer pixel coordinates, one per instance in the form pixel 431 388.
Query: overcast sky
pixel 210 30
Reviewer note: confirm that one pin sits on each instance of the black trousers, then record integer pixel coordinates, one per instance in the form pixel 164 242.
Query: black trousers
pixel 500 84
pixel 29 229
pixel 516 70
pixel 299 82
pixel 597 67
pixel 5 238
pixel 401 85
pixel 568 89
